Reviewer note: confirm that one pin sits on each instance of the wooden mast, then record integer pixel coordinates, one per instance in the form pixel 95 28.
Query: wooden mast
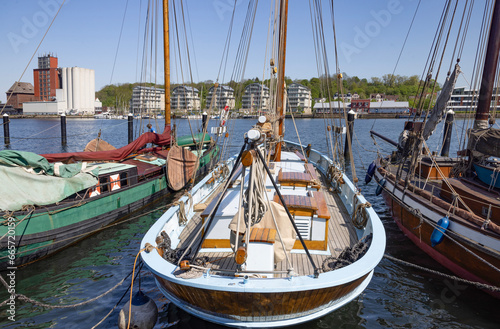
pixel 281 74
pixel 490 65
pixel 166 54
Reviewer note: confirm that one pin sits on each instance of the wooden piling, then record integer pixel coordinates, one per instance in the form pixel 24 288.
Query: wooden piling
pixel 63 130
pixel 130 128
pixel 6 132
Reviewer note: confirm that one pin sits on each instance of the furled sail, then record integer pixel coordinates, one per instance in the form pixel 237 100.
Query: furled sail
pixel 136 146
pixel 439 108
pixel 485 141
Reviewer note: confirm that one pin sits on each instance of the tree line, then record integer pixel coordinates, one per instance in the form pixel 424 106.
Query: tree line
pixel 406 88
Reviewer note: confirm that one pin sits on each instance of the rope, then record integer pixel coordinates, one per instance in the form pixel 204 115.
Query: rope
pixel 89 233
pixel 452 277
pixel 254 201
pixel 35 302
pixel 10 216
pixel 349 255
pixel 148 247
pixel 358 220
pixel 32 56
pixel 117 303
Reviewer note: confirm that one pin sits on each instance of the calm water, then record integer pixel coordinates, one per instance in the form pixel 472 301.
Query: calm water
pixel 398 296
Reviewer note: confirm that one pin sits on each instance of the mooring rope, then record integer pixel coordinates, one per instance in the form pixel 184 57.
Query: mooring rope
pixel 35 302
pixel 452 277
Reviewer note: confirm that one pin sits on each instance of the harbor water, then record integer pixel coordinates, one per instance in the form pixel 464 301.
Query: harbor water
pixel 398 295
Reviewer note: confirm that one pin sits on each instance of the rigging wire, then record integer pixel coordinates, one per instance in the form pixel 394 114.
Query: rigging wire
pixel 119 39
pixel 33 55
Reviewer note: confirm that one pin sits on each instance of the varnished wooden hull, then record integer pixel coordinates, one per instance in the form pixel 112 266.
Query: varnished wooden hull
pixel 247 309
pixel 465 262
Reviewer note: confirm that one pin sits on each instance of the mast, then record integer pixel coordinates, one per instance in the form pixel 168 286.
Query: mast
pixel 490 65
pixel 281 74
pixel 166 56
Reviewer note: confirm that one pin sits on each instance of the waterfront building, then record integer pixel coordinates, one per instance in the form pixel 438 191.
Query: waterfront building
pixel 359 106
pixel 19 93
pixel 389 107
pixel 61 90
pixel 46 78
pixel 224 97
pixel 299 98
pixel 255 98
pixel 78 88
pixel 185 98
pixel 463 99
pixel 147 100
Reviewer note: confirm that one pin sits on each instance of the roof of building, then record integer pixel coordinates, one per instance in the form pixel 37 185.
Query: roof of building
pixel 388 104
pixel 148 88
pixel 298 84
pixel 21 88
pixel 375 105
pixel 187 88
pixel 257 84
pixel 221 87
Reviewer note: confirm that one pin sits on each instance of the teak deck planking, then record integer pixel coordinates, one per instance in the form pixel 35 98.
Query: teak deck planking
pixel 341 234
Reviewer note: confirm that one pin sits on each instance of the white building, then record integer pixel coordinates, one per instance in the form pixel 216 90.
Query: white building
pixel 299 98
pixel 463 99
pixel 77 94
pixel 147 100
pixel 78 85
pixel 58 106
pixel 255 98
pixel 389 107
pixel 224 97
pixel 385 107
pixel 185 98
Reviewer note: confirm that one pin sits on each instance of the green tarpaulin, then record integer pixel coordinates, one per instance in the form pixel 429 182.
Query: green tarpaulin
pixel 29 179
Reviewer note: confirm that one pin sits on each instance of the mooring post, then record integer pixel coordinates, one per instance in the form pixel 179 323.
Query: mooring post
pixel 350 125
pixel 448 128
pixel 6 132
pixel 130 128
pixel 204 121
pixel 63 130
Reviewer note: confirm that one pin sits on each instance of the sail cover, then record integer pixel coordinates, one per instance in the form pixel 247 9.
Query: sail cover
pixel 114 155
pixel 485 141
pixel 439 109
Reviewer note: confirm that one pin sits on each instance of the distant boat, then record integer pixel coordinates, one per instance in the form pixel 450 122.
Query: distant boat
pixel 104 115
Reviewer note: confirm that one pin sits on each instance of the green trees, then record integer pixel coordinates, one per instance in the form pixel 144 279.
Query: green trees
pixel 405 87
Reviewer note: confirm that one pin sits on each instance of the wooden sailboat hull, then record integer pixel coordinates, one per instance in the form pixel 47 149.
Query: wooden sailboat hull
pixel 261 309
pixel 269 301
pixel 467 261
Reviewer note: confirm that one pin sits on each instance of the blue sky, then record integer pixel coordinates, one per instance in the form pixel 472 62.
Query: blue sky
pixel 370 35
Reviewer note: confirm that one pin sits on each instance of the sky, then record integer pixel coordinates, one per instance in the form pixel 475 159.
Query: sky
pixel 370 36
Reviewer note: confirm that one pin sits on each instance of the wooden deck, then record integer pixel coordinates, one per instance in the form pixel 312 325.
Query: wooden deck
pixel 341 234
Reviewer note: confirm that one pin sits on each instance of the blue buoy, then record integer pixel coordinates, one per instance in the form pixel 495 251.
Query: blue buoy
pixel 380 186
pixel 438 233
pixel 370 172
pixel 144 313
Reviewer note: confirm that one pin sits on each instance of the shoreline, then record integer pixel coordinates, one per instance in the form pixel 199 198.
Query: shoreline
pixel 300 116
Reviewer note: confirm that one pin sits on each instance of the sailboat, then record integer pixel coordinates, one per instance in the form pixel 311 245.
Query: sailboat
pixel 449 206
pixel 50 201
pixel 279 236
